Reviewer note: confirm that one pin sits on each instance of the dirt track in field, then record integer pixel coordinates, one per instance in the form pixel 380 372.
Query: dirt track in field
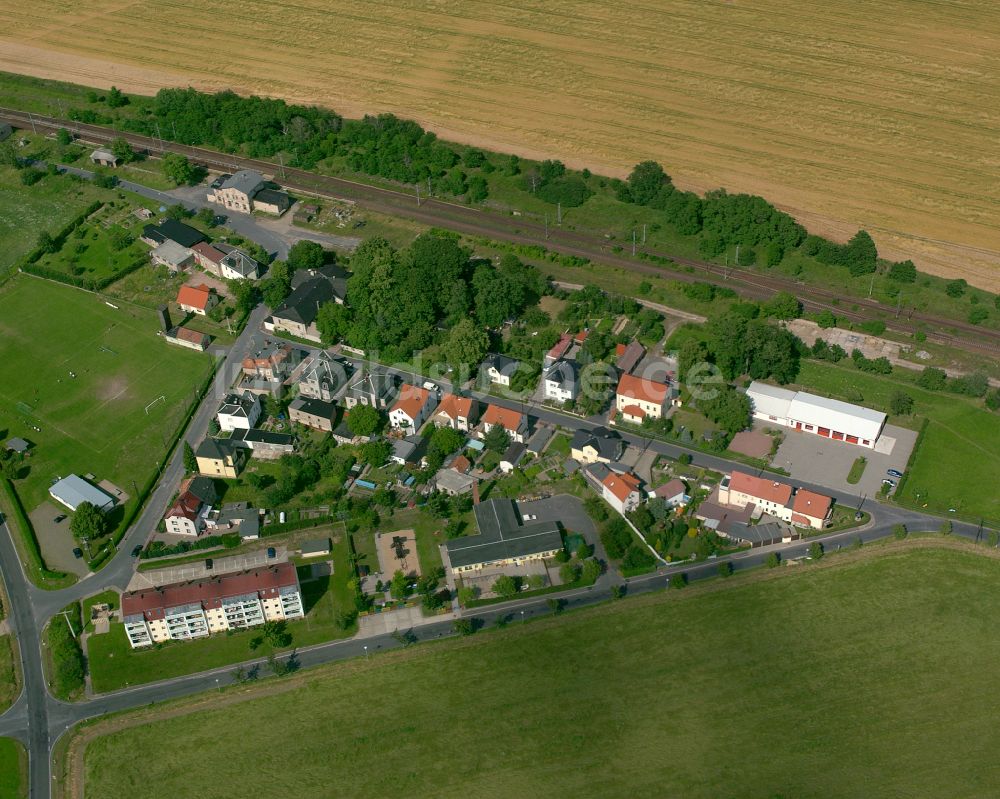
pixel 849 113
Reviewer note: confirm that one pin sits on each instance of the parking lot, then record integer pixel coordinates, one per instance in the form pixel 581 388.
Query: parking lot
pixel 814 459
pixel 196 570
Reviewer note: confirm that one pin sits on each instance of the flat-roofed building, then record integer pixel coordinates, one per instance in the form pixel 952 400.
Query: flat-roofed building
pixel 504 539
pixel 72 491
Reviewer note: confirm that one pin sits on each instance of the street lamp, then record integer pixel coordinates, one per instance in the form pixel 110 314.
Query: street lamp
pixel 366 651
pixel 522 617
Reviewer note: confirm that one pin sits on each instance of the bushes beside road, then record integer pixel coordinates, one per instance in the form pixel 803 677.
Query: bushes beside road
pixel 67 670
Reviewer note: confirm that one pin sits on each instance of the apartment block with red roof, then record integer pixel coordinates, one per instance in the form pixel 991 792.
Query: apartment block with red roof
pixel 196 609
pixel 514 422
pixel 411 409
pixel 197 299
pixel 637 398
pixel 458 413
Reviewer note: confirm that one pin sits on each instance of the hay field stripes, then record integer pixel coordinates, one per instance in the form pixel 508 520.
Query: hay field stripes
pixel 862 113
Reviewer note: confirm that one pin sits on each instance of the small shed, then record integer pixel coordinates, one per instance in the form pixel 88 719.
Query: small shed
pixel 17 445
pixel 316 547
pixel 103 157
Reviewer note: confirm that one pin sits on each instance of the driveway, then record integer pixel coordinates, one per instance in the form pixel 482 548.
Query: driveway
pixel 814 459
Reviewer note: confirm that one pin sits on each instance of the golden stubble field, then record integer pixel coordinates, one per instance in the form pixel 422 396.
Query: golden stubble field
pixel 880 113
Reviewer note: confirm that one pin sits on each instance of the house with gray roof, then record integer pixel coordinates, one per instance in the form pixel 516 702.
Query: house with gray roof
pixel 599 445
pixel 373 388
pixel 504 538
pixel 562 381
pixel 321 376
pixel 311 289
pixel 500 369
pixel 237 191
pixel 72 491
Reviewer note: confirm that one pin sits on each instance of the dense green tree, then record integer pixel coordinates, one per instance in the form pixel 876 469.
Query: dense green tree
pixel 63 137
pixel 306 255
pixel 364 420
pixel 447 440
pixel 955 288
pixel 505 586
pixel 783 306
pixel 497 439
pixel 400 585
pixel 900 403
pixel 644 183
pixel 245 295
pixel 278 284
pixel 333 320
pixel 178 169
pixel 116 98
pixel 729 409
pixel 190 461
pixel 903 272
pixel 466 345
pixel 123 151
pixel 88 522
pixel 932 378
pixel 376 452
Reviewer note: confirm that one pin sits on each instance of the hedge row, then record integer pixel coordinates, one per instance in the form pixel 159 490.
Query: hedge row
pixel 27 532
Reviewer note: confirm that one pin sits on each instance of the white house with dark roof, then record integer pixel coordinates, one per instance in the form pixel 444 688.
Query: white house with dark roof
pixel 562 381
pixel 500 369
pixel 310 289
pixel 239 411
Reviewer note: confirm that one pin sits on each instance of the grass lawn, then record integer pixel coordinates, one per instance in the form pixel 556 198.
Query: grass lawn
pixel 87 253
pixel 852 706
pixel 114 664
pixel 960 432
pixel 13 769
pixel 25 211
pixel 95 422
pixel 9 685
pixel 857 469
pixel 426 528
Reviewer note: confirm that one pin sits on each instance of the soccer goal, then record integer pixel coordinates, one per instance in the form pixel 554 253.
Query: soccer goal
pixel 160 398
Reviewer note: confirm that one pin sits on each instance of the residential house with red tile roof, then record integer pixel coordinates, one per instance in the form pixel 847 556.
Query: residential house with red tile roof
pixel 411 409
pixel 514 422
pixel 458 413
pixel 621 491
pixel 637 398
pixel 197 299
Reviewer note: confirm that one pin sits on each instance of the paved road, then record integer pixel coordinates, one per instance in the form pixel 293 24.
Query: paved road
pixel 38 719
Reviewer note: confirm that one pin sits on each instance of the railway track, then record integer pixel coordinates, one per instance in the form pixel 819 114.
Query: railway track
pixel 522 230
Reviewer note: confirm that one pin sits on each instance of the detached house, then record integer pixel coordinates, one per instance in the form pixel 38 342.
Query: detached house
pixel 621 491
pixel 197 299
pixel 411 409
pixel 239 411
pixel 187 515
pixel 810 509
pixel 562 382
pixel 218 458
pixel 375 389
pixel 313 413
pixel 297 314
pixel 458 413
pixel 673 493
pixel 237 191
pixel 637 399
pixel 172 255
pixel 599 445
pixel 208 257
pixel 172 230
pixel 500 369
pixel 269 360
pixel 514 422
pixel 237 265
pixel 800 507
pixel 320 377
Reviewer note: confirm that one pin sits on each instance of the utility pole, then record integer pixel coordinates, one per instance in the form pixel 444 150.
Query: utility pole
pixel 546 226
pixel 174 126
pixel 31 119
pixel 633 242
pixel 871 287
pixel 737 255
pixel 428 185
pixel 418 195
pixel 559 212
pixel 66 616
pixel 643 232
pixel 160 137
pixel 899 304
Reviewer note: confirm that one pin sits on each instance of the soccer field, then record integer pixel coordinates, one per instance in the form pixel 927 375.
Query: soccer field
pixel 860 676
pixel 96 421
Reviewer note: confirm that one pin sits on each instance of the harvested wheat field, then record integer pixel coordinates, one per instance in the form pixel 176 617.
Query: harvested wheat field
pixel 881 113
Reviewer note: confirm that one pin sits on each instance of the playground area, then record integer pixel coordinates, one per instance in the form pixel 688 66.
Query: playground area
pixel 397 551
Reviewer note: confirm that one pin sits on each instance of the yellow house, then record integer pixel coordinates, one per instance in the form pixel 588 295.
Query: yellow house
pixel 217 459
